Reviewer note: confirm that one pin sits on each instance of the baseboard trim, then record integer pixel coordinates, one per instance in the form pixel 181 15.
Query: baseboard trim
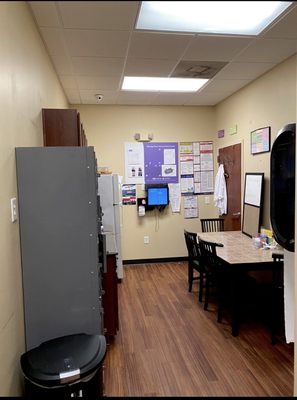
pixel 155 260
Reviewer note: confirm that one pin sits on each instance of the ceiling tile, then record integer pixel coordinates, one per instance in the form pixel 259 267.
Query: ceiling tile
pixel 54 40
pixel 268 50
pixel 99 82
pixel 45 13
pixel 102 15
pixel 225 85
pixel 135 98
pixel 68 82
pixel 148 67
pixel 97 43
pixel 96 66
pixel 207 99
pixel 245 70
pixel 63 65
pixel 158 45
pixel 173 99
pixel 215 48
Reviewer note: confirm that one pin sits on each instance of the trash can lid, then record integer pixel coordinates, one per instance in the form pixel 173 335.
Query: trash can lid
pixel 64 359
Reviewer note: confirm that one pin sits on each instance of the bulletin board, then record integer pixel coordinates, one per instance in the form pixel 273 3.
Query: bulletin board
pixel 252 203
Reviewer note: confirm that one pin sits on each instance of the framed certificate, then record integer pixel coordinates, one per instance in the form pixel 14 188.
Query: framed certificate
pixel 260 140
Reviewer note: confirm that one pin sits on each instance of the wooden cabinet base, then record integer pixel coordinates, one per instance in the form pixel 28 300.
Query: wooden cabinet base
pixel 110 297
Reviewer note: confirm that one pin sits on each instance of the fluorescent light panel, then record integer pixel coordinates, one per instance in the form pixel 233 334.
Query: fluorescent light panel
pixel 217 17
pixel 153 84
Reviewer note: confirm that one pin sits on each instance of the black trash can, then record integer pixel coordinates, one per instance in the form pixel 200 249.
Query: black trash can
pixel 68 366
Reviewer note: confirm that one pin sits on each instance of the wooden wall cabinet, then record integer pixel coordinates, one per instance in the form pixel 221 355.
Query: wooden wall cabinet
pixel 62 127
pixel 110 296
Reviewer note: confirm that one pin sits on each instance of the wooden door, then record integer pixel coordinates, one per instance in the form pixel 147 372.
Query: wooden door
pixel 231 158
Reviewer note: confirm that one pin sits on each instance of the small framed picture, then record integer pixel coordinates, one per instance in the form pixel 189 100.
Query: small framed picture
pixel 260 140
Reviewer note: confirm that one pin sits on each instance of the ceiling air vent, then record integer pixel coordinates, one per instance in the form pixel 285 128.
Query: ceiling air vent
pixel 197 69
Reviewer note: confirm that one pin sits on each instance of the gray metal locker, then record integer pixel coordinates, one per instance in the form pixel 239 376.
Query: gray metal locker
pixel 57 201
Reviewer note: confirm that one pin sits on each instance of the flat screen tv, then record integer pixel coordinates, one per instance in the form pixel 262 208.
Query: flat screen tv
pixel 157 195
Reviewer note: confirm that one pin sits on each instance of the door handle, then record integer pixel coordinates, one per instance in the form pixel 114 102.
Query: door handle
pixel 236 214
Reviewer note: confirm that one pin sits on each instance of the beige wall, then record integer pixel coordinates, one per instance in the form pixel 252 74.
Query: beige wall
pixel 269 101
pixel 108 128
pixel 27 83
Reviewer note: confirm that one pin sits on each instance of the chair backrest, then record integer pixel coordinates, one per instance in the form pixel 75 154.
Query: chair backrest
pixel 212 224
pixel 192 244
pixel 208 251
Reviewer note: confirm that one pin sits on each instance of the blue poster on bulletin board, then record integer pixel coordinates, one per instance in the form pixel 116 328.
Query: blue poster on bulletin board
pixel 160 162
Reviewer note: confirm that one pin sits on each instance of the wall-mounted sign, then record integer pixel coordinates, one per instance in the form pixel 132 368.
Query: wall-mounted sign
pixel 151 162
pixel 160 162
pixel 260 140
pixel 221 133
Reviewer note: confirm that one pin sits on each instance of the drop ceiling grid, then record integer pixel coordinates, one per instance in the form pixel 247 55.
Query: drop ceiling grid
pixel 93 44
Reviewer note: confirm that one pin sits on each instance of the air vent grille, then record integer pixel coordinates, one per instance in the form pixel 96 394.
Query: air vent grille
pixel 198 69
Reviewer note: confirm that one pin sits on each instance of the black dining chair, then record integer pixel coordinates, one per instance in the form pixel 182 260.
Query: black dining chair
pixel 194 262
pixel 212 224
pixel 213 275
pixel 277 303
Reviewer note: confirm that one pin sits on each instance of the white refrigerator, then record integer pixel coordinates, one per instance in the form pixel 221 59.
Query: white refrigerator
pixel 109 190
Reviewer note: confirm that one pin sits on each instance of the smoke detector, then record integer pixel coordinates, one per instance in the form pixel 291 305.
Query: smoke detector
pixel 99 97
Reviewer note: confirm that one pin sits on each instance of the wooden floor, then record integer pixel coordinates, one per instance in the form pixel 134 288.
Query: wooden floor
pixel 167 345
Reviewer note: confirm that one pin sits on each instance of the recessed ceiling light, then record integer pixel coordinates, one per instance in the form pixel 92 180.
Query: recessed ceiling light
pixel 217 17
pixel 153 84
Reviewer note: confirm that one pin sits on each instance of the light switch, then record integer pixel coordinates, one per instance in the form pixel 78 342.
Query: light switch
pixel 206 199
pixel 13 209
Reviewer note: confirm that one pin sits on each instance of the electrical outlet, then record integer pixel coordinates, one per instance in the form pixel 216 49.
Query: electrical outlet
pixel 146 239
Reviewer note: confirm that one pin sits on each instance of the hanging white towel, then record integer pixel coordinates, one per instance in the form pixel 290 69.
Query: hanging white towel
pixel 220 191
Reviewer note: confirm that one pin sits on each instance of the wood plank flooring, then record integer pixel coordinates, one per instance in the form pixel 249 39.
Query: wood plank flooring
pixel 167 345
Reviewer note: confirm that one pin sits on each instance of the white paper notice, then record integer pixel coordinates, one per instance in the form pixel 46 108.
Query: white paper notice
pixel 134 163
pixel 206 181
pixel 197 187
pixel 174 197
pixel 187 184
pixel 196 148
pixel 169 156
pixel 190 207
pixel 186 168
pixel 190 202
pixel 206 161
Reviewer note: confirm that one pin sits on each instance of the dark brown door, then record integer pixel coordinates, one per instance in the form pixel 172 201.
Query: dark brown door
pixel 231 158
